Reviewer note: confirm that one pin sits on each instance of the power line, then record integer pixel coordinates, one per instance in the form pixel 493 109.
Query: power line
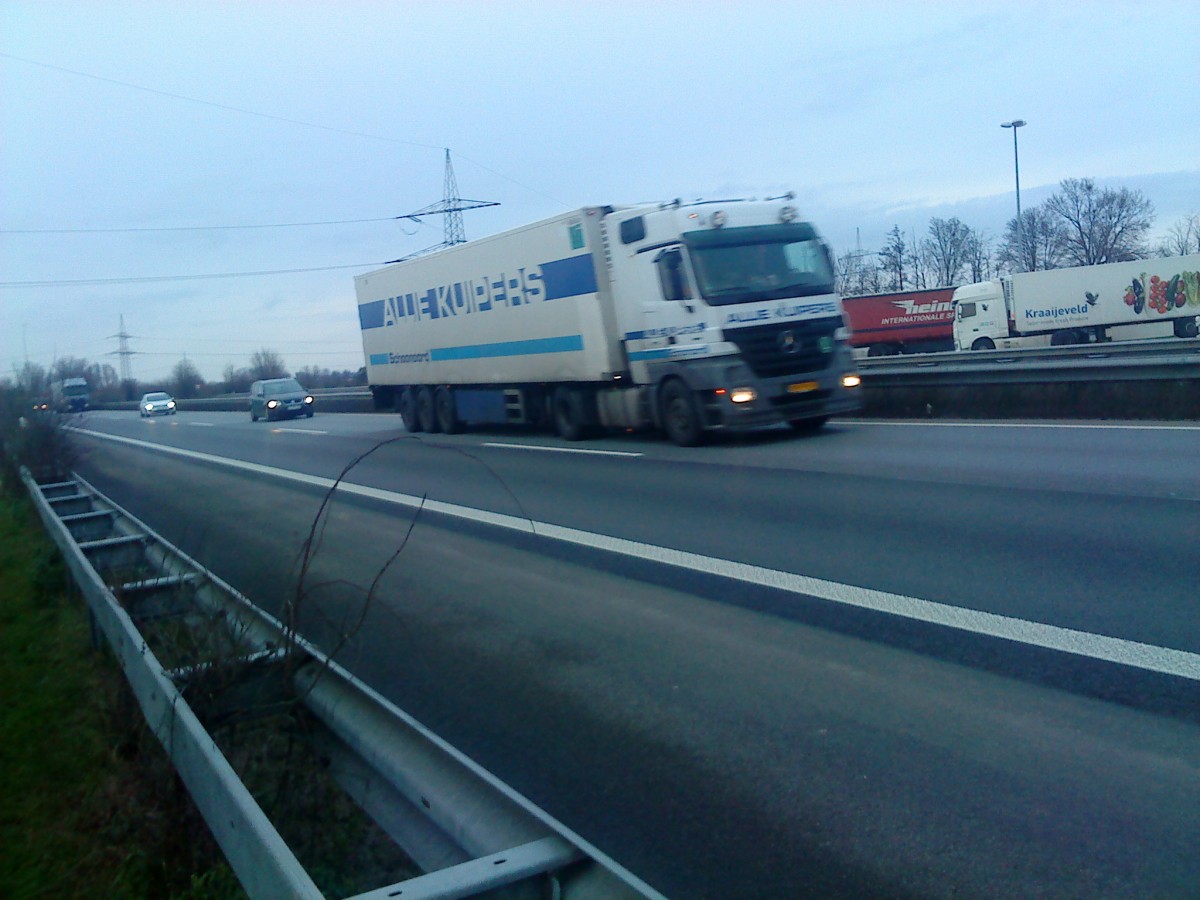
pixel 262 115
pixel 149 279
pixel 224 106
pixel 191 227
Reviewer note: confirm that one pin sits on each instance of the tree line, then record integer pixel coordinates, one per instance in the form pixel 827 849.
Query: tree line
pixel 1079 225
pixel 184 382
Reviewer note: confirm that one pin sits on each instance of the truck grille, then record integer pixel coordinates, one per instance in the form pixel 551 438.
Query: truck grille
pixel 786 348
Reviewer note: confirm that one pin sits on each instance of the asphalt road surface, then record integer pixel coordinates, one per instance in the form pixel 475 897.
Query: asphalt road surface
pixel 891 659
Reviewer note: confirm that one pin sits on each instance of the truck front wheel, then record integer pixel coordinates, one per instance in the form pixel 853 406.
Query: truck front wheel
pixel 681 415
pixel 983 344
pixel 407 403
pixel 426 412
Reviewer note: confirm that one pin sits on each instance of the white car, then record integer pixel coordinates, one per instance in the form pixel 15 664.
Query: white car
pixel 157 403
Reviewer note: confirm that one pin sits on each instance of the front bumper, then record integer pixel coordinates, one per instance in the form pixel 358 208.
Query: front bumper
pixel 288 409
pixel 794 397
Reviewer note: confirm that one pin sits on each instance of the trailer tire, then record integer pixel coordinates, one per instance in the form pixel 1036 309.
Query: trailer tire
pixel 447 415
pixel 1186 328
pixel 1067 338
pixel 567 410
pixel 426 411
pixel 407 404
pixel 681 415
pixel 983 344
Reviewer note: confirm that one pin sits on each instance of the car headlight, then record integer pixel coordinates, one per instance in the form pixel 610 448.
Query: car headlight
pixel 271 404
pixel 851 381
pixel 308 400
pixel 743 394
pixel 170 404
pixel 149 407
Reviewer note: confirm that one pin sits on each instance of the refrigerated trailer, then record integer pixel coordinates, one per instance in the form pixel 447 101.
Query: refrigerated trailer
pixel 1080 305
pixel 689 317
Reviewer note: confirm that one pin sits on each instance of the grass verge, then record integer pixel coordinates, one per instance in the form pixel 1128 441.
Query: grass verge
pixel 91 806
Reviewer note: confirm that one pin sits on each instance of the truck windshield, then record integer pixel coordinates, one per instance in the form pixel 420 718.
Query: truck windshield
pixel 761 262
pixel 75 390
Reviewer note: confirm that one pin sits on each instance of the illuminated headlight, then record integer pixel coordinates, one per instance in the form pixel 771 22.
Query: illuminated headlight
pixel 787 214
pixel 717 219
pixel 851 381
pixel 170 404
pixel 743 395
pixel 149 407
pixel 271 404
pixel 308 399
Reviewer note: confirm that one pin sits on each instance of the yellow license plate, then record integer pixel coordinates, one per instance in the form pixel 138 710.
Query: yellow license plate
pixel 802 387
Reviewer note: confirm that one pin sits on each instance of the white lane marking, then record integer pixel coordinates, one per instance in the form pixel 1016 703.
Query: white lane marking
pixel 201 424
pixel 503 446
pixel 299 430
pixel 1023 425
pixel 1053 637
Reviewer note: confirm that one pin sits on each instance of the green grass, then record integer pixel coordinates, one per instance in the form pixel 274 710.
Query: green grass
pixel 90 805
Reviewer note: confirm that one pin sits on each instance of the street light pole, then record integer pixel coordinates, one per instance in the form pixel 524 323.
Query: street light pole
pixel 1014 125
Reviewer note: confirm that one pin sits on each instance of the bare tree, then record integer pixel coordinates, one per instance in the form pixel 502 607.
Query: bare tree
pixel 979 256
pixel 1040 244
pixel 266 363
pixel 918 263
pixel 1101 225
pixel 893 260
pixel 186 379
pixel 70 367
pixel 855 276
pixel 237 381
pixel 32 378
pixel 1182 238
pixel 948 249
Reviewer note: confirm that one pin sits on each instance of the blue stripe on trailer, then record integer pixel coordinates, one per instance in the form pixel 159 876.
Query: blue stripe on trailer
pixel 566 344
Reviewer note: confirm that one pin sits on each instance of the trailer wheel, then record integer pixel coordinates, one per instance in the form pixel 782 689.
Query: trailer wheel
pixel 1067 338
pixel 1186 328
pixel 681 415
pixel 447 414
pixel 426 411
pixel 567 409
pixel 407 404
pixel 983 344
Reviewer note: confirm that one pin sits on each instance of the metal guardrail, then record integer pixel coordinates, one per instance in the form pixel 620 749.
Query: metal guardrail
pixel 468 831
pixel 1118 361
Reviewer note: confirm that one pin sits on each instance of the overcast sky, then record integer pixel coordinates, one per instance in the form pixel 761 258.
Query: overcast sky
pixel 179 122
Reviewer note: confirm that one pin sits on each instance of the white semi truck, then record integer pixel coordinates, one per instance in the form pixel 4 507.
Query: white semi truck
pixel 1116 301
pixel 688 317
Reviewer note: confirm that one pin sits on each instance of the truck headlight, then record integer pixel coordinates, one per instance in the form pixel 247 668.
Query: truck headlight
pixel 851 381
pixel 743 394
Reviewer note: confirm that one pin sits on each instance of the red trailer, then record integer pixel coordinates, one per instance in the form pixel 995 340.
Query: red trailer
pixel 902 322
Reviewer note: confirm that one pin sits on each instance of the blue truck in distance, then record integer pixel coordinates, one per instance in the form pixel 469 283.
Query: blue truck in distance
pixel 70 395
